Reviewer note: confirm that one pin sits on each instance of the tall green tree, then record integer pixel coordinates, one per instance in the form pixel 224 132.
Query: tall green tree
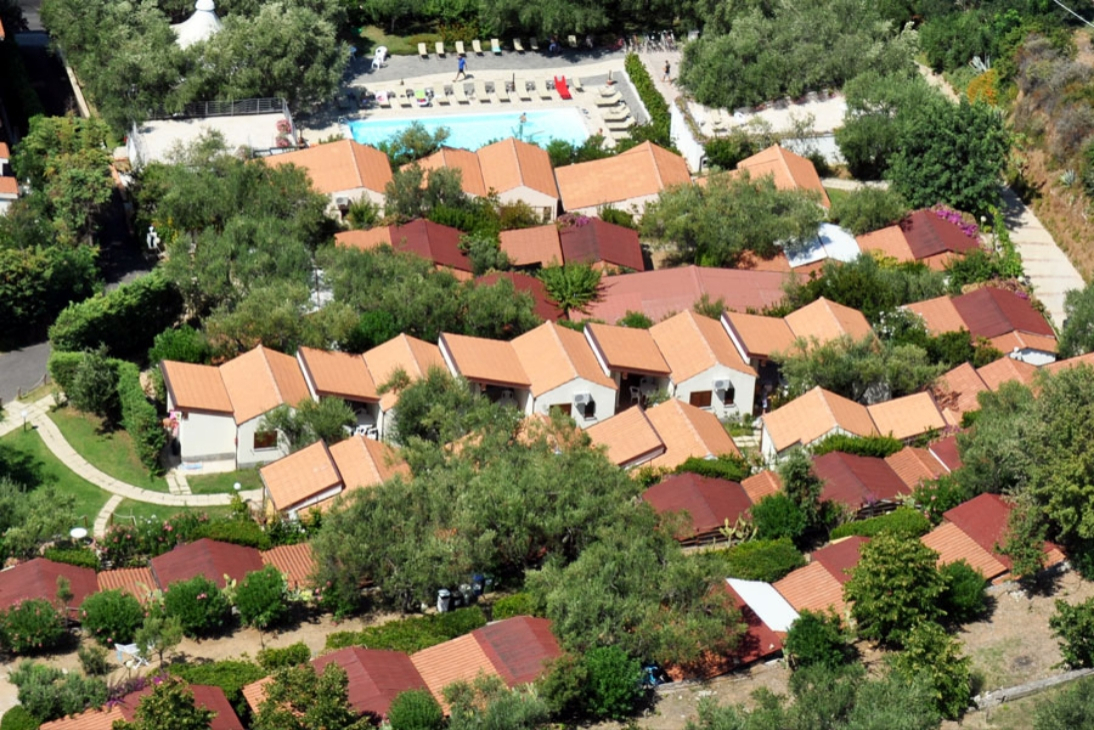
pixel 308 422
pixel 299 698
pixel 170 707
pixel 1077 333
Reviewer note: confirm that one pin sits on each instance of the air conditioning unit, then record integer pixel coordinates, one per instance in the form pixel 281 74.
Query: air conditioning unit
pixel 342 203
pixel 583 399
pixel 721 384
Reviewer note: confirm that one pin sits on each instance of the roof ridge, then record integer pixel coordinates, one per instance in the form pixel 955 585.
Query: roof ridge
pixel 702 336
pixel 565 351
pixel 356 165
pixel 333 462
pixel 269 370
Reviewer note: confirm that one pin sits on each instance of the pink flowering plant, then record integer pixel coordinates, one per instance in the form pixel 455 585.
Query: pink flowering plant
pixel 202 608
pixel 30 627
pixel 111 617
pixel 958 219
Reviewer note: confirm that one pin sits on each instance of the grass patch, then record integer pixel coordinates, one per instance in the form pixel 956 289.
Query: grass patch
pixel 130 509
pixel 397 45
pixel 112 453
pixel 223 483
pixel 835 194
pixel 29 461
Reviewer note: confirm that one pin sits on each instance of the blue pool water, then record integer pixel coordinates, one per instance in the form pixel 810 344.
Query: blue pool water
pixel 472 131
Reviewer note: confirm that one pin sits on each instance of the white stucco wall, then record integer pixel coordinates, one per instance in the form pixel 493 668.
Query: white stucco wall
pixel 744 386
pixel 293 511
pixel 603 396
pixel 206 437
pixel 353 195
pixel 772 457
pixel 632 205
pixel 246 455
pixel 534 198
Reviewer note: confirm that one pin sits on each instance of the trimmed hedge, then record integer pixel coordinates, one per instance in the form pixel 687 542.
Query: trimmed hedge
pixel 62 367
pixel 139 417
pixel 877 446
pixel 901 521
pixel 518 604
pixel 412 634
pixel 17 718
pixel 126 319
pixel 82 557
pixel 231 675
pixel 727 466
pixel 290 656
pixel 658 130
pixel 765 560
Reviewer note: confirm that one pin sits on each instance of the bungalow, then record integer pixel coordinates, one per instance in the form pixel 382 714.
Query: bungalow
pixel 599 243
pixel 631 358
pixel 125 709
pixel 218 561
pixel 532 248
pixel 37 580
pixel 705 369
pixel 9 193
pixel 957 391
pixel 564 373
pixel 345 171
pixel 788 170
pixel 915 465
pixel 425 239
pixel 866 485
pixel 663 292
pixel 217 411
pixel 333 374
pixel 708 504
pixel 1007 320
pixel 491 366
pixel 626 181
pixel 907 417
pixel 315 475
pixel 628 438
pixel 924 236
pixel 688 432
pixel 403 355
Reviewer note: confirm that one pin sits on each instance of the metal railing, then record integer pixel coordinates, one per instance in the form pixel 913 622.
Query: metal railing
pixel 240 107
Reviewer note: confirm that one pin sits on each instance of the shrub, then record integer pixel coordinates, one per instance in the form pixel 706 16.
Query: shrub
pixel 659 129
pixel 817 638
pixel 608 214
pixel 261 598
pixel 877 446
pixel 94 387
pixel 726 151
pixel 231 675
pixel 79 556
pixel 62 368
pixel 518 604
pixel 868 209
pixel 48 693
pixel 635 320
pixel 727 466
pixel 763 560
pixel 288 656
pixel 17 718
pixel 238 532
pixel 935 498
pixel 412 634
pixel 200 606
pixel 31 626
pixel 112 617
pixel 182 344
pixel 126 319
pixel 931 652
pixel 93 660
pixel 964 599
pixel 1072 708
pixel 902 521
pixel 415 709
pixel 614 683
pixel 1073 626
pixel 777 516
pixel 139 417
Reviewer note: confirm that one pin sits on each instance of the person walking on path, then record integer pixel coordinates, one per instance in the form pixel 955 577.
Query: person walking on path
pixel 665 77
pixel 461 68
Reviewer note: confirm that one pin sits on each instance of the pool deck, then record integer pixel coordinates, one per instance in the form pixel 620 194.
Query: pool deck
pixel 403 72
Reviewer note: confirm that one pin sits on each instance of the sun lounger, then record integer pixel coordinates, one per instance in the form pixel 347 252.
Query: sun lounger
pixel 534 44
pixel 522 90
pixel 604 101
pixel 384 99
pixel 406 102
pixel 481 93
pixel 618 134
pixel 459 47
pixel 422 51
pixel 421 98
pixel 501 92
pixel 439 97
pixel 562 88
pixel 518 46
pixel 572 40
pixel 623 124
pixel 607 90
pixel 495 46
pixel 440 48
pixel 461 94
pixel 615 114
pixel 544 92
pixel 575 84
pixel 477 46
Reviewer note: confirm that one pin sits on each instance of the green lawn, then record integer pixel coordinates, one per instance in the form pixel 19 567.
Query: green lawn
pixel 30 462
pixel 143 510
pixel 373 36
pixel 223 483
pixel 111 453
pixel 835 194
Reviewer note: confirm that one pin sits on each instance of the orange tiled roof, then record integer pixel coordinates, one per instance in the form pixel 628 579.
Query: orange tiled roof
pixel 688 431
pixel 692 343
pixel 480 360
pixel 790 171
pixel 5 151
pixel 639 172
pixel 813 415
pixel 260 380
pixel 1004 370
pixel 197 387
pixel 914 465
pixel 957 392
pixel 939 315
pixel 1016 340
pixel 459 659
pixel 812 588
pixel 909 416
pixel 364 462
pixel 338 373
pixel 340 166
pixel 553 356
pixel 364 240
pixel 98 719
pixel 255 692
pixel 536 245
pixel 9 185
pixel 413 356
pixel 628 349
pixel 761 337
pixel 466 161
pixel 825 320
pixel 296 562
pixel 952 544
pixel 137 582
pixel 761 485
pixel 511 163
pixel 888 241
pixel 300 476
pixel 1055 367
pixel 629 436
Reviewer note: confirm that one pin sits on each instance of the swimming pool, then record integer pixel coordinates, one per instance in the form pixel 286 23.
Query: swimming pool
pixel 472 131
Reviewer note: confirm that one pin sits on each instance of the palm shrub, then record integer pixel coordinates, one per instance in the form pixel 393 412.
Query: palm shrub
pixel 571 287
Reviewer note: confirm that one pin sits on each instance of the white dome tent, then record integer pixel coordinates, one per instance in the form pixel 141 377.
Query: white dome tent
pixel 201 26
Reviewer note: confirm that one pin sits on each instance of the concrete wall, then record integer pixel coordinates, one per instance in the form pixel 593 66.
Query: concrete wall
pixel 690 148
pixel 603 397
pixel 635 206
pixel 744 386
pixel 247 455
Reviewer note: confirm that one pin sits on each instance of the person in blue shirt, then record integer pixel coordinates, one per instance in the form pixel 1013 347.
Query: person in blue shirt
pixel 461 68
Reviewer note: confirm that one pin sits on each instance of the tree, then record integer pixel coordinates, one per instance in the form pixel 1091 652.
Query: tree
pixel 929 650
pixel 31 626
pixel 262 598
pixel 997 456
pixel 182 344
pixel 817 638
pixel 1025 541
pixel 614 683
pixel 413 194
pixel 415 709
pixel 571 287
pixel 868 209
pixel 717 224
pixel 413 143
pixel 894 587
pixel 777 516
pixel 801 484
pixel 1073 707
pixel 964 599
pixel 159 633
pixel 1073 626
pixel 299 698
pixel 112 617
pixel 310 421
pixel 37 281
pixel 170 706
pixel 1077 333
pixel 94 388
pixel 485 253
pixel 488 703
pixel 32 516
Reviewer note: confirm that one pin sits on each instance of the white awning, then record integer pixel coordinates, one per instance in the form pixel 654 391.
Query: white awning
pixel 765 602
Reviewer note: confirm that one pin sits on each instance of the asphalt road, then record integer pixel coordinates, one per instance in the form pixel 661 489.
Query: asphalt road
pixel 22 369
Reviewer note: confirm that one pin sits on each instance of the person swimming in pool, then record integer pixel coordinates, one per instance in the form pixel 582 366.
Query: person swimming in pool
pixel 523 118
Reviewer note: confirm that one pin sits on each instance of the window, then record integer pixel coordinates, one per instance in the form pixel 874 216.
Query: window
pixel 701 398
pixel 265 440
pixel 566 408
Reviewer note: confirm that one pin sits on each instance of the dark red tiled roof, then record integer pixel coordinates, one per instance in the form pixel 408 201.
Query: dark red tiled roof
pixel 518 647
pixel 708 501
pixel 598 240
pixel 841 557
pixel 432 241
pixel 990 312
pixel 205 696
pixel 759 640
pixel 984 519
pixel 857 481
pixel 38 579
pixel 929 234
pixel 945 450
pixel 376 676
pixel 210 558
pixel 545 309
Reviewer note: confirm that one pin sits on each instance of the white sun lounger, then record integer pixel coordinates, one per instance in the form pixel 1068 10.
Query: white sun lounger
pixel 501 92
pixel 459 47
pixel 544 93
pixel 614 114
pixel 495 46
pixel 477 46
pixel 575 84
pixel 460 94
pixel 423 51
pixel 480 92
pixel 522 90
pixel 439 97
pixel 440 48
pixel 533 44
pixel 608 100
pixel 572 40
pixel 518 46
pixel 384 100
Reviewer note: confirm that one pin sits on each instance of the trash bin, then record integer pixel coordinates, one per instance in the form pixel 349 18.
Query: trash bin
pixel 467 594
pixel 444 600
pixel 478 584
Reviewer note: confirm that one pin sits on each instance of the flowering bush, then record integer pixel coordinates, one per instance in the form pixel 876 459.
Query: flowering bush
pixel 261 598
pixel 947 214
pixel 31 626
pixel 283 126
pixel 199 605
pixel 112 617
